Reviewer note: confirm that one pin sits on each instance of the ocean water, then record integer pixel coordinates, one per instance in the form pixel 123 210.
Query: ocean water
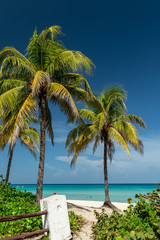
pixel 90 192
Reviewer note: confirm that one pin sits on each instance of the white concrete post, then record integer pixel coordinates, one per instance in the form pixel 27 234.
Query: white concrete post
pixel 57 219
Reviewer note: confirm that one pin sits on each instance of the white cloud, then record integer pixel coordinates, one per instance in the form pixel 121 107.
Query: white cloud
pixel 81 160
pixel 55 171
pixel 123 169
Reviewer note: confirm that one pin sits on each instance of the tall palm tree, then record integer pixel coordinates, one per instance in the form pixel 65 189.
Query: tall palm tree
pixel 28 137
pixel 107 123
pixel 48 73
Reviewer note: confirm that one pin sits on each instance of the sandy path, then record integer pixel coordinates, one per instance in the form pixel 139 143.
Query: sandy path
pixel 86 209
pixel 89 217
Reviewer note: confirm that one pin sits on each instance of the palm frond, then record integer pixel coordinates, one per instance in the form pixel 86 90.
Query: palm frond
pixel 117 137
pixel 32 132
pixel 74 79
pixel 74 133
pixel 49 124
pixel 8 98
pixel 95 104
pixel 41 80
pixel 111 149
pixel 59 94
pixel 87 114
pixel 27 110
pixel 53 31
pixel 17 67
pixel 8 84
pixel 76 60
pixel 133 119
pixel 100 121
pixel 96 143
pixel 78 146
pixel 127 130
pixel 10 51
pixel 30 144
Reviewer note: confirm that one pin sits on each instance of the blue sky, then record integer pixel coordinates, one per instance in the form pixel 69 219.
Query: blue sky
pixel 122 38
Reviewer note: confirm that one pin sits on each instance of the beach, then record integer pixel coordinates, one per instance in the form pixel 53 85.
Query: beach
pixel 97 204
pixel 86 210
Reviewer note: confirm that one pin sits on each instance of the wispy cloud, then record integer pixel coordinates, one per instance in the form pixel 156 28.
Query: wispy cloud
pixel 55 171
pixel 122 169
pixel 82 160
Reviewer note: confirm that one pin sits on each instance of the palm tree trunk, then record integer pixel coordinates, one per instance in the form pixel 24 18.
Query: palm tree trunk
pixel 107 202
pixel 42 149
pixel 9 165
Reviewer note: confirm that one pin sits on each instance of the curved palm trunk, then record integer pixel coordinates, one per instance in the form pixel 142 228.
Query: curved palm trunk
pixel 107 202
pixel 42 150
pixel 9 165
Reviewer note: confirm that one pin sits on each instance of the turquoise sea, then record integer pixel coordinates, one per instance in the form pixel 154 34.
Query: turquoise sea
pixel 91 192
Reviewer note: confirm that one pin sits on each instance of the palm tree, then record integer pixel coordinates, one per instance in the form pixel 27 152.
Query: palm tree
pixel 28 136
pixel 48 73
pixel 107 123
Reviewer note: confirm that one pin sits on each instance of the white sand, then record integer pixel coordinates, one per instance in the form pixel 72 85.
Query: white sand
pixel 86 210
pixel 97 204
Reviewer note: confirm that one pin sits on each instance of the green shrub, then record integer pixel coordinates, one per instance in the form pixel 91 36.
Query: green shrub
pixel 76 221
pixel 15 202
pixel 139 222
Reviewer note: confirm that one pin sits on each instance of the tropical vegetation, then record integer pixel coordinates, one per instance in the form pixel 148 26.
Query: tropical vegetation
pixel 15 202
pixel 49 73
pixel 106 122
pixel 141 222
pixel 28 136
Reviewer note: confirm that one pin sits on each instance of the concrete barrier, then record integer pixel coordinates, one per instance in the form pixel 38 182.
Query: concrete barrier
pixel 57 219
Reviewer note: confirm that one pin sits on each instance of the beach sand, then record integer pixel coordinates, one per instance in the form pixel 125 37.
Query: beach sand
pixel 86 209
pixel 97 204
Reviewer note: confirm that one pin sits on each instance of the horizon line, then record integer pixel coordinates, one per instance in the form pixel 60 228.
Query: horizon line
pixel 80 183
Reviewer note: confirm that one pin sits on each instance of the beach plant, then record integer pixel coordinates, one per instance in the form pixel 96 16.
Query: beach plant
pixel 76 221
pixel 15 202
pixel 49 73
pixel 141 221
pixel 28 136
pixel 106 122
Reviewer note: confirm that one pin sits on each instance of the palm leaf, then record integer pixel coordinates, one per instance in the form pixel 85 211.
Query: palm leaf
pixel 17 67
pixel 41 80
pixel 49 124
pixel 32 132
pixel 8 84
pixel 132 118
pixel 59 94
pixel 119 139
pixel 27 110
pixel 76 60
pixel 126 129
pixel 10 51
pixel 87 114
pixel 8 98
pixel 30 144
pixel 74 79
pixel 96 143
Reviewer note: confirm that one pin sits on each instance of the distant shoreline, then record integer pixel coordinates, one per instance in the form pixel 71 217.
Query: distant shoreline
pixel 92 192
pixel 86 183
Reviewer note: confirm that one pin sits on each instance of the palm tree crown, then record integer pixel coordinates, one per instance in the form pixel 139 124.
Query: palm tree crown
pixel 48 73
pixel 108 123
